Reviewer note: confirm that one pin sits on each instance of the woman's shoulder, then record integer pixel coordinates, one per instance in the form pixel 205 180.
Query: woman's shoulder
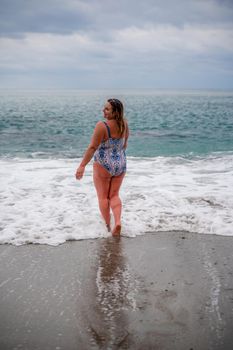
pixel 100 129
pixel 100 125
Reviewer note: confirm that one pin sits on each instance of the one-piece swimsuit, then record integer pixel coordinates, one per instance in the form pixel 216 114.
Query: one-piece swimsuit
pixel 111 154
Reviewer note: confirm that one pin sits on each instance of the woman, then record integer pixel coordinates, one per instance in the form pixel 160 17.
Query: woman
pixel 108 145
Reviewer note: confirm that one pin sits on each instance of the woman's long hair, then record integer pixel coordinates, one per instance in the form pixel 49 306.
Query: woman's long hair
pixel 118 111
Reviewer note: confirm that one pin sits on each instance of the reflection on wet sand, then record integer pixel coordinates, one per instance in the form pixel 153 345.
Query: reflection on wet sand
pixel 114 295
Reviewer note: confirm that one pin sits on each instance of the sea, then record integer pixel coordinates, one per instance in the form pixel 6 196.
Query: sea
pixel 179 164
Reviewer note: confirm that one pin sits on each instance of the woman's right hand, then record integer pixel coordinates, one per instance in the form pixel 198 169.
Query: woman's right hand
pixel 80 172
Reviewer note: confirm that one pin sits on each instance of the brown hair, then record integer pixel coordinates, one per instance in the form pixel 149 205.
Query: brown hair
pixel 118 111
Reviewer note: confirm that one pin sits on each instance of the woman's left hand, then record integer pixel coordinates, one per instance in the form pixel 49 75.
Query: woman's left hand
pixel 80 172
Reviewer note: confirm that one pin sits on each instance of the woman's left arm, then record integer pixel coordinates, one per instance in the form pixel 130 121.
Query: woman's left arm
pixel 126 134
pixel 95 141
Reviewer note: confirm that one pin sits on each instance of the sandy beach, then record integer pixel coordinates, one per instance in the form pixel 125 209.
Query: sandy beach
pixel 171 290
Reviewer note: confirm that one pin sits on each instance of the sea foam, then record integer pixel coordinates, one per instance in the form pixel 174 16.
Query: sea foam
pixel 43 203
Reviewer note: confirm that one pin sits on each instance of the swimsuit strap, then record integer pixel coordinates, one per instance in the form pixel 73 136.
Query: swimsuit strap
pixel 109 133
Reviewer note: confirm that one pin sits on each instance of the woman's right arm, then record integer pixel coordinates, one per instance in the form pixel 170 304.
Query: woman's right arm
pixel 96 139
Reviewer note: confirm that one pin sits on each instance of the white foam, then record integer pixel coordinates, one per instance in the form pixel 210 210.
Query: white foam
pixel 41 202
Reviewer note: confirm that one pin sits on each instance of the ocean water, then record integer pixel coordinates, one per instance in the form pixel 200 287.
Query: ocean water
pixel 180 164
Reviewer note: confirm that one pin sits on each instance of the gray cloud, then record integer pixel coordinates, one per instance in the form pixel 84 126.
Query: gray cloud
pixel 21 16
pixel 66 16
pixel 106 43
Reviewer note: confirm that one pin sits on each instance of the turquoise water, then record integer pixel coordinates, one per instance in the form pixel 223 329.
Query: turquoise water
pixel 45 124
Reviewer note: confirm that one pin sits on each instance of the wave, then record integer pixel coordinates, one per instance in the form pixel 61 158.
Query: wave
pixel 42 203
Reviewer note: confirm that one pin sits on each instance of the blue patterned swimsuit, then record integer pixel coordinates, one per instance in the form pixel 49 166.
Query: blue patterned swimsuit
pixel 111 154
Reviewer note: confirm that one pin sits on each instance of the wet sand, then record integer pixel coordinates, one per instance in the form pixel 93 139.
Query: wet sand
pixel 158 291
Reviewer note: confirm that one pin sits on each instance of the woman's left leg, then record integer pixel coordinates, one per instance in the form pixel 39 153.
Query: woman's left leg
pixel 102 180
pixel 115 201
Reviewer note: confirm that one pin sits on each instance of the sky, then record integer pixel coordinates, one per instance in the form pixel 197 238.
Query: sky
pixel 123 44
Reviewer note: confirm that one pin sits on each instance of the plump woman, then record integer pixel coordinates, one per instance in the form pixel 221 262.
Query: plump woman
pixel 108 145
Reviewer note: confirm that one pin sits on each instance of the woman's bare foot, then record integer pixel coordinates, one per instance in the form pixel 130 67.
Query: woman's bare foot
pixel 108 227
pixel 117 230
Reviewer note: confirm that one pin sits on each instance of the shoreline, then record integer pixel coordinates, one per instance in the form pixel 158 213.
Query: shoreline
pixel 158 291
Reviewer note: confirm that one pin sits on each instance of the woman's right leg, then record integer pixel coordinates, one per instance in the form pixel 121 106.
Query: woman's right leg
pixel 102 180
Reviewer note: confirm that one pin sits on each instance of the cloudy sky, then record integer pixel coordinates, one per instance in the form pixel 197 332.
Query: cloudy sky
pixel 94 44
